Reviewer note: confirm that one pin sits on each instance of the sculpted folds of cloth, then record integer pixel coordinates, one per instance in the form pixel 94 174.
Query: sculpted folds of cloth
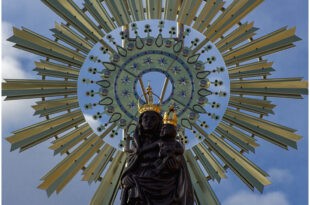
pixel 156 171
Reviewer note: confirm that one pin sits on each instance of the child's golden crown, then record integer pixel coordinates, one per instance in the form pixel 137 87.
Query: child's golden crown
pixel 170 117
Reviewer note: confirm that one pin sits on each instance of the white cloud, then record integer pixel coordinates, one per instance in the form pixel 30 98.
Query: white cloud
pixel 11 57
pixel 6 33
pixel 94 124
pixel 12 68
pixel 7 46
pixel 280 175
pixel 17 114
pixel 246 198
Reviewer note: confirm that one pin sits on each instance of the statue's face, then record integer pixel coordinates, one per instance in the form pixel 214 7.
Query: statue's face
pixel 168 131
pixel 149 121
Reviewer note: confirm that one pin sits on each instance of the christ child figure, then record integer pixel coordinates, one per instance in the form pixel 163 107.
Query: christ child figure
pixel 170 150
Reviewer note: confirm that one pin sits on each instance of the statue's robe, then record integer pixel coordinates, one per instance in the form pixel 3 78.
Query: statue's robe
pixel 150 188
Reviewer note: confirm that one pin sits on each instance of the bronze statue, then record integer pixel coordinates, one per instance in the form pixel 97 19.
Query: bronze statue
pixel 156 171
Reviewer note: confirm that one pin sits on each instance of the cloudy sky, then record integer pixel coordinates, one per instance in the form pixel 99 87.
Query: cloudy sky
pixel 21 172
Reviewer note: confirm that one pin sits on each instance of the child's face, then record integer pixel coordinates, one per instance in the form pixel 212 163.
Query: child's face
pixel 168 131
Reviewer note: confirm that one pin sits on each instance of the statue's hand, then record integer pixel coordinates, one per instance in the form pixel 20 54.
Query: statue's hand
pixel 128 182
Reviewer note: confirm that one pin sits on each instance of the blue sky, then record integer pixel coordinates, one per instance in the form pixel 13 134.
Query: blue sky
pixel 21 172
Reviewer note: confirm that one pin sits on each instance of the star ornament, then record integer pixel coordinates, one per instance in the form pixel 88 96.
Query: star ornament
pixel 83 73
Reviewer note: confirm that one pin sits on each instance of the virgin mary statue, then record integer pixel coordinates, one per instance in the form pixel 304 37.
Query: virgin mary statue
pixel 156 172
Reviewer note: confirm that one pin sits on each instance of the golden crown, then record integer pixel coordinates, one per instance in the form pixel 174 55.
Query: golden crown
pixel 170 117
pixel 149 106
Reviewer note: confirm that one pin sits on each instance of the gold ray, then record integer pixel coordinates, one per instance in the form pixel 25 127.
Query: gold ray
pixel 69 140
pixel 280 87
pixel 46 65
pixel 254 73
pixel 136 9
pixel 48 107
pixel 25 89
pixel 242 167
pixel 37 44
pixel 119 11
pixel 267 130
pixel 203 191
pixel 171 9
pixel 67 35
pixel 271 83
pixel 283 93
pixel 210 163
pixel 97 10
pixel 250 108
pixel 71 13
pixel 51 122
pixel 242 33
pixel 188 10
pixel 55 74
pixel 249 173
pixel 37 93
pixel 252 101
pixel 94 147
pixel 253 105
pixel 237 137
pixel 278 129
pixel 108 130
pixel 208 12
pixel 231 16
pixel 45 130
pixel 97 166
pixel 109 185
pixel 251 69
pixel 268 39
pixel 61 174
pixel 270 43
pixel 48 104
pixel 153 9
pixel 14 84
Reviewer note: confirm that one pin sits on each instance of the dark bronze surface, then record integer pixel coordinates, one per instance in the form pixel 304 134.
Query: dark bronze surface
pixel 156 171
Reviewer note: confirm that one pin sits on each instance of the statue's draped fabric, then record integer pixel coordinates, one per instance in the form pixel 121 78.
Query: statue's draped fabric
pixel 151 187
